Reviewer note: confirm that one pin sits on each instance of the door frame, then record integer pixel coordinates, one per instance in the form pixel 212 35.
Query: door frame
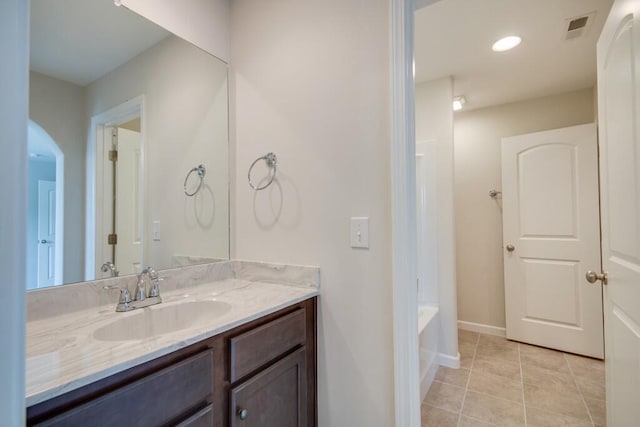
pixel 403 217
pixel 94 208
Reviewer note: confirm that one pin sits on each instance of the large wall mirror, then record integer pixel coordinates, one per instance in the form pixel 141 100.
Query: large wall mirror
pixel 128 146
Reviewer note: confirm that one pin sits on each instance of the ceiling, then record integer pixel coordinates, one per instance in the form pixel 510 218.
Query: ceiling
pixel 454 38
pixel 80 41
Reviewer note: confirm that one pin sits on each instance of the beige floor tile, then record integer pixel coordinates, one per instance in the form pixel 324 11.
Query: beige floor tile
pixel 467 337
pixel 467 352
pixel 457 377
pixel 496 341
pixel 467 348
pixel 497 367
pixel 590 389
pixel 539 418
pixel 534 349
pixel 445 396
pixel 465 362
pixel 551 399
pixel 598 411
pixel 543 358
pixel 549 379
pixel 472 422
pixel 498 352
pixel 586 367
pixel 493 410
pixel 496 386
pixel 436 417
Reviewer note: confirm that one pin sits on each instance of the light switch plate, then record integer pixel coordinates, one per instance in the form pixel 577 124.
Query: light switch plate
pixel 360 232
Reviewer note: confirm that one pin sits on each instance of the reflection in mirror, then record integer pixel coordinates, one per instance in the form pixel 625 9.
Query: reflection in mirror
pixel 120 112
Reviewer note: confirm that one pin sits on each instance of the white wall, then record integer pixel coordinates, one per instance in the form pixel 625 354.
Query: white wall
pixel 478 136
pixel 311 82
pixel 186 125
pixel 434 122
pixel 13 176
pixel 58 107
pixel 204 23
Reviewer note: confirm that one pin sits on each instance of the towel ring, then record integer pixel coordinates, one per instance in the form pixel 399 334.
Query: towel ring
pixel 201 171
pixel 271 160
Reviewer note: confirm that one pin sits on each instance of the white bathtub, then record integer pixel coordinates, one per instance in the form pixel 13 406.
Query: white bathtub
pixel 428 344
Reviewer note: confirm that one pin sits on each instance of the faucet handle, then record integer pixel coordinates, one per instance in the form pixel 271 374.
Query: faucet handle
pixel 155 286
pixel 125 295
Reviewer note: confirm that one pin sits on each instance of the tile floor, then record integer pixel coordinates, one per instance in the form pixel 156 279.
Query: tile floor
pixel 505 383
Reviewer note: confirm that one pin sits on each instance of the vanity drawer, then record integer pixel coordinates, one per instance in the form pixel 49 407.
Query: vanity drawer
pixel 154 400
pixel 255 348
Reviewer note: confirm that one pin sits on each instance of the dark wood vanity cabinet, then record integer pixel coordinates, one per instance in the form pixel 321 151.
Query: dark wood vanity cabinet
pixel 275 397
pixel 262 373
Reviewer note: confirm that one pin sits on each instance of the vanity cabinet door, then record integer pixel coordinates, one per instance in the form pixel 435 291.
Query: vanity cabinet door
pixel 202 418
pixel 173 393
pixel 275 397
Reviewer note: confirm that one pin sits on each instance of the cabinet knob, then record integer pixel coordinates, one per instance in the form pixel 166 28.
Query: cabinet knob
pixel 243 413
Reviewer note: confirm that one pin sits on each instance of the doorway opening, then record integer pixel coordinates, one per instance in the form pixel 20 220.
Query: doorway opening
pixel 115 200
pixel 45 211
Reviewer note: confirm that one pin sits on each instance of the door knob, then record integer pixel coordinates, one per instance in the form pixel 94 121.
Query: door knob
pixel 243 413
pixel 511 248
pixel 43 241
pixel 593 277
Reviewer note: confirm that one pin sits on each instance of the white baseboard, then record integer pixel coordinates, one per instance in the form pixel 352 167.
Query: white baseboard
pixel 483 329
pixel 449 361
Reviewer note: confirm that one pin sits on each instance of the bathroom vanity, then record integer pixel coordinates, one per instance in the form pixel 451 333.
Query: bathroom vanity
pixel 246 355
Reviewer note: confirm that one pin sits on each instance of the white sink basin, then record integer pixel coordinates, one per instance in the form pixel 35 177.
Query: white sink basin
pixel 161 319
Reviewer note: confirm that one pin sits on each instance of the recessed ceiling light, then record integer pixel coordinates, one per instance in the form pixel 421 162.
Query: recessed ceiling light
pixel 458 103
pixel 506 43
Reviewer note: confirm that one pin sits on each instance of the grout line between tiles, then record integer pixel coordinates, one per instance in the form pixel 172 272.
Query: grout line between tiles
pixel 575 381
pixel 482 421
pixel 524 402
pixel 466 388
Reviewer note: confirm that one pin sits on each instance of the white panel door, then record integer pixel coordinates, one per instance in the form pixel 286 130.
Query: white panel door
pixel 46 233
pixel 618 97
pixel 128 257
pixel 552 238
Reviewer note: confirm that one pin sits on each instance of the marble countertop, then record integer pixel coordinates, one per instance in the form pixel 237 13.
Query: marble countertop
pixel 63 354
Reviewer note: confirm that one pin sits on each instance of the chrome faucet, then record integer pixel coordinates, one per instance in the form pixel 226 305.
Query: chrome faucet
pixel 140 297
pixel 109 266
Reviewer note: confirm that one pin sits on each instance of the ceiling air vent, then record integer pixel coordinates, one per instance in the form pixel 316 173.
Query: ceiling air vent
pixel 578 26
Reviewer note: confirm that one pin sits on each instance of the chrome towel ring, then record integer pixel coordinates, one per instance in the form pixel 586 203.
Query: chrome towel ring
pixel 271 160
pixel 201 171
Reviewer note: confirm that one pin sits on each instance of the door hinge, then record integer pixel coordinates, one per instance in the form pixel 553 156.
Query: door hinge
pixel 112 239
pixel 113 155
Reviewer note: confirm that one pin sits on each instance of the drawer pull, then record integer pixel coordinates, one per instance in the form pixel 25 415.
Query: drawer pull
pixel 243 413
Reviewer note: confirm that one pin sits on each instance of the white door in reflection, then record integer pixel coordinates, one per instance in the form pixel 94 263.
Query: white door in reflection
pixel 46 232
pixel 123 210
